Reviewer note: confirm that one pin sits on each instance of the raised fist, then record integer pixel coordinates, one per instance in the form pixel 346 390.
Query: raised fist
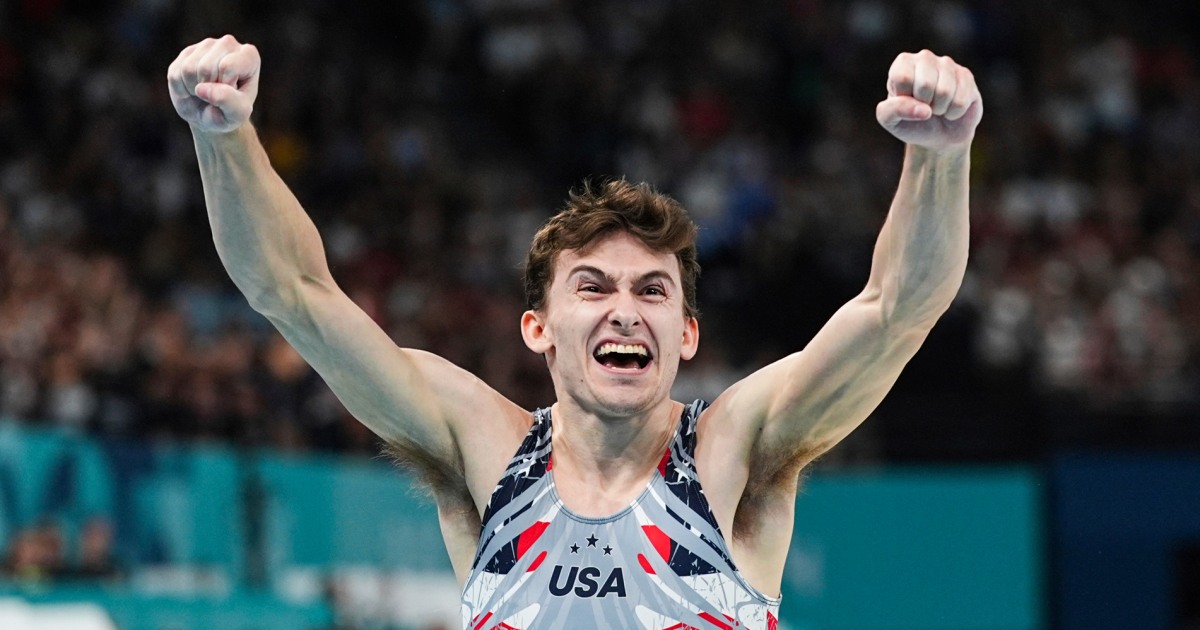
pixel 213 84
pixel 932 102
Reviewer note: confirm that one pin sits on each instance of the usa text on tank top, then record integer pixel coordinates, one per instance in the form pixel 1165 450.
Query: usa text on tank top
pixel 659 564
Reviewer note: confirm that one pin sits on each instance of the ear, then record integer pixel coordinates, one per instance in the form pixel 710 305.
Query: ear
pixel 691 339
pixel 533 331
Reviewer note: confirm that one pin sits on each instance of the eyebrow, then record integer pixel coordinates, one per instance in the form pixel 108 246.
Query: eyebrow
pixel 644 278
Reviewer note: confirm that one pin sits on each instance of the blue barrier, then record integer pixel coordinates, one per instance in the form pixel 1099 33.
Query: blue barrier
pixel 168 503
pixel 919 549
pixel 172 504
pixel 1118 521
pixel 891 550
pixel 134 611
pixel 326 512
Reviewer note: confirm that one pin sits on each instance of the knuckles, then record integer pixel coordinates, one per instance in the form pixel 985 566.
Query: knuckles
pixel 908 66
pixel 926 56
pixel 200 62
pixel 192 60
pixel 937 80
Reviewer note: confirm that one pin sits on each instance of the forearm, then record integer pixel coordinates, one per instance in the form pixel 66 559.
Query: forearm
pixel 267 243
pixel 921 254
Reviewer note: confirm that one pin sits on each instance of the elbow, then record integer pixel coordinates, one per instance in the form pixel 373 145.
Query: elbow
pixel 279 300
pixel 917 311
pixel 264 294
pixel 268 301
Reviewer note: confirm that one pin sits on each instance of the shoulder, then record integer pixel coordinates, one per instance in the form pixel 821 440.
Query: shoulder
pixel 733 467
pixel 487 430
pixel 720 453
pixel 724 423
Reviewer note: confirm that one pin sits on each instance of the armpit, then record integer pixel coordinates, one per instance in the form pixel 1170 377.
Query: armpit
pixel 434 477
pixel 774 478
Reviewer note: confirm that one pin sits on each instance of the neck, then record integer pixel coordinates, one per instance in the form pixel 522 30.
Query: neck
pixel 611 452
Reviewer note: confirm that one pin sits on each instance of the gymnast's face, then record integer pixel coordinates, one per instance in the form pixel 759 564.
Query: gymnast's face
pixel 613 327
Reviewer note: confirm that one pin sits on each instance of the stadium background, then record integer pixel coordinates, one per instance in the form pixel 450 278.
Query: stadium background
pixel 164 455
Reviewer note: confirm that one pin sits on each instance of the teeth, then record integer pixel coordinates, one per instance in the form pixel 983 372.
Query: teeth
pixel 619 348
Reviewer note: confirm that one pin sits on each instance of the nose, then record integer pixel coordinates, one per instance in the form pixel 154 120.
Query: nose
pixel 624 315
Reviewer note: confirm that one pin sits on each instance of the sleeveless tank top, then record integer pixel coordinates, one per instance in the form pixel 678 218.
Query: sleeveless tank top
pixel 659 564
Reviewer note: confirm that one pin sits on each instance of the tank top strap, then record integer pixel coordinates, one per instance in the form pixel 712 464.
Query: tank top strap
pixel 527 466
pixel 688 423
pixel 678 467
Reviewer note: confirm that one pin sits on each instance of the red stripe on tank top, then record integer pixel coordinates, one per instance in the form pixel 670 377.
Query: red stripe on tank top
pixel 530 536
pixel 720 623
pixel 661 542
pixel 536 563
pixel 645 564
pixel 483 621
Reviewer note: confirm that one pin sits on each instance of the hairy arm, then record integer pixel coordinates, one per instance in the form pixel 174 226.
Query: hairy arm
pixel 274 255
pixel 807 402
pixel 797 408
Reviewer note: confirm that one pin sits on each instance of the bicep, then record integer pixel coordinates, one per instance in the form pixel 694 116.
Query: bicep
pixel 403 395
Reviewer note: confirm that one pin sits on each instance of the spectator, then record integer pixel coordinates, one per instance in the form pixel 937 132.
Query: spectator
pixel 426 161
pixel 96 559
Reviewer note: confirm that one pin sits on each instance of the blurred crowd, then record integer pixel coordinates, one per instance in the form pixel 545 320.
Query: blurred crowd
pixel 429 140
pixel 44 552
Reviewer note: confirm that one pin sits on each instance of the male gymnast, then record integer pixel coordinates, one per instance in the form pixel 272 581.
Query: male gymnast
pixel 615 507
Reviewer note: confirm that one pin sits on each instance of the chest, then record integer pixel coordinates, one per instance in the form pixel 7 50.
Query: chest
pixel 661 555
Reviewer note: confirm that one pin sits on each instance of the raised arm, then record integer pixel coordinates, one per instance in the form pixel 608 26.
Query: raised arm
pixel 797 408
pixel 274 255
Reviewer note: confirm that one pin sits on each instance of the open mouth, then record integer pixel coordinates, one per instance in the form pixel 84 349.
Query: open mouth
pixel 617 356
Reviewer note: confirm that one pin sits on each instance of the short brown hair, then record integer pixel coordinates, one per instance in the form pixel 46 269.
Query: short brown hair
pixel 595 210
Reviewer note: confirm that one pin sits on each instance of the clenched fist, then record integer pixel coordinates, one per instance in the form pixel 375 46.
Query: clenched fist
pixel 213 84
pixel 932 102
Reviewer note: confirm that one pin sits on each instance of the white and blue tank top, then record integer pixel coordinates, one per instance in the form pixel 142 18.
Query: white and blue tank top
pixel 659 564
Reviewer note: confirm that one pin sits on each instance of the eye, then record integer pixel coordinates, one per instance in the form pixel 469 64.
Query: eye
pixel 589 288
pixel 654 291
